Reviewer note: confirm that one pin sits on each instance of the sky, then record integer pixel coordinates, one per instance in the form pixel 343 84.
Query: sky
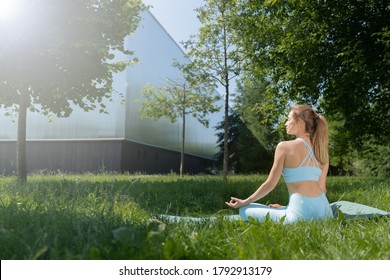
pixel 177 16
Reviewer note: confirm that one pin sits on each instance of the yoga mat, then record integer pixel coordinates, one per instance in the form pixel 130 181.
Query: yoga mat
pixel 175 219
pixel 356 210
pixel 349 209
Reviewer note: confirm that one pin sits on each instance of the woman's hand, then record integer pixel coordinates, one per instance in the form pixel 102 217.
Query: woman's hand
pixel 236 202
pixel 275 205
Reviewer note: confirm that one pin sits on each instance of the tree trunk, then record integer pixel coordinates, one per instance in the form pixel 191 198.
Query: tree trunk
pixel 21 138
pixel 183 137
pixel 225 137
pixel 226 128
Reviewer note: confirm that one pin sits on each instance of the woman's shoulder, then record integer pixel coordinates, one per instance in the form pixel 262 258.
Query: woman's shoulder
pixel 288 147
pixel 289 143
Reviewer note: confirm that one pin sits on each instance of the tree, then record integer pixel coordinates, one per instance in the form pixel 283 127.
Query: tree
pixel 214 56
pixel 253 104
pixel 61 53
pixel 177 99
pixel 333 54
pixel 246 153
pixel 252 137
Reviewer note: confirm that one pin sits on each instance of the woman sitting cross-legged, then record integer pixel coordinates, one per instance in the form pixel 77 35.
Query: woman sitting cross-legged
pixel 304 164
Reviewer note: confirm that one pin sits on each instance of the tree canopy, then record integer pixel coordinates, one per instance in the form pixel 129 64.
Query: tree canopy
pixel 55 54
pixel 63 52
pixel 213 55
pixel 332 54
pixel 177 99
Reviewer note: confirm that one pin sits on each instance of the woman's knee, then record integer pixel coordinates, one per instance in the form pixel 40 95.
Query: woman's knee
pixel 260 212
pixel 242 213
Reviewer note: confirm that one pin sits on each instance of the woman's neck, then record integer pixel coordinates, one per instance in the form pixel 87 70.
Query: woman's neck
pixel 304 136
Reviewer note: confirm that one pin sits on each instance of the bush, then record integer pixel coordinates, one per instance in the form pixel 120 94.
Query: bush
pixel 374 160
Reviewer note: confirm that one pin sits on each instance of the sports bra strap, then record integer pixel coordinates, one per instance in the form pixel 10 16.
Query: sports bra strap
pixel 309 156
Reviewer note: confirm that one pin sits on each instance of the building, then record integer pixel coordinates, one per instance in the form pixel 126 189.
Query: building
pixel 118 141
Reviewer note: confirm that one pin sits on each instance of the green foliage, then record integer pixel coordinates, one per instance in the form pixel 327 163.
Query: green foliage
pixel 246 153
pixel 63 53
pixel 60 54
pixel 260 112
pixel 341 150
pixel 374 159
pixel 110 216
pixel 329 53
pixel 177 99
pixel 214 56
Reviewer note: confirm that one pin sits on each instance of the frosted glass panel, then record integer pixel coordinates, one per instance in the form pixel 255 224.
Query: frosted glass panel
pixel 80 124
pixel 155 50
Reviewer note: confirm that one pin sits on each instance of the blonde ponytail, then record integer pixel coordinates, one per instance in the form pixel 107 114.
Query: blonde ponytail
pixel 317 128
pixel 320 140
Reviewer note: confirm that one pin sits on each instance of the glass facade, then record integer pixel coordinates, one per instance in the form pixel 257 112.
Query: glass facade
pixel 155 50
pixel 80 124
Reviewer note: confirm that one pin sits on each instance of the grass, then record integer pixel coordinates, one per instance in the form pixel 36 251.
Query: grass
pixel 108 216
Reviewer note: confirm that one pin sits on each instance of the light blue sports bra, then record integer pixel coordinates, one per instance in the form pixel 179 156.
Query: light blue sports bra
pixel 306 172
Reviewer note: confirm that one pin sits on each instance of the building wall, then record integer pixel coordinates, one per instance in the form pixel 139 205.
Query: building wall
pixel 68 156
pixel 80 124
pixel 142 158
pixel 109 155
pixel 91 141
pixel 156 51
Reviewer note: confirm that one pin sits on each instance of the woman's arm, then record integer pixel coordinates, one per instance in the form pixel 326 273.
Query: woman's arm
pixel 269 184
pixel 322 181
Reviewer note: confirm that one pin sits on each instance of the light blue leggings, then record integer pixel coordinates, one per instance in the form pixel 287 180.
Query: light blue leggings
pixel 299 208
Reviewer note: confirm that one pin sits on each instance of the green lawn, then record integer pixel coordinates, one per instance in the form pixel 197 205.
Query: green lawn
pixel 114 217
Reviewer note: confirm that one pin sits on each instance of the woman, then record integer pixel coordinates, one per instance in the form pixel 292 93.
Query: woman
pixel 304 164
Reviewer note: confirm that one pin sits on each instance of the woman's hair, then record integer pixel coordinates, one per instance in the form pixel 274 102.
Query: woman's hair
pixel 317 128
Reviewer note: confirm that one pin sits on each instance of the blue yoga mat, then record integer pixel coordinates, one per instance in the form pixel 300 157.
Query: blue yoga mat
pixel 349 210
pixel 175 219
pixel 356 210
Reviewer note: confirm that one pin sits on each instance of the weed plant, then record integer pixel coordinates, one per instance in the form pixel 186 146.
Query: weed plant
pixel 111 216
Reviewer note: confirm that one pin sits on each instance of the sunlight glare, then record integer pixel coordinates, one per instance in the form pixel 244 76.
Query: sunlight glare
pixel 8 9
